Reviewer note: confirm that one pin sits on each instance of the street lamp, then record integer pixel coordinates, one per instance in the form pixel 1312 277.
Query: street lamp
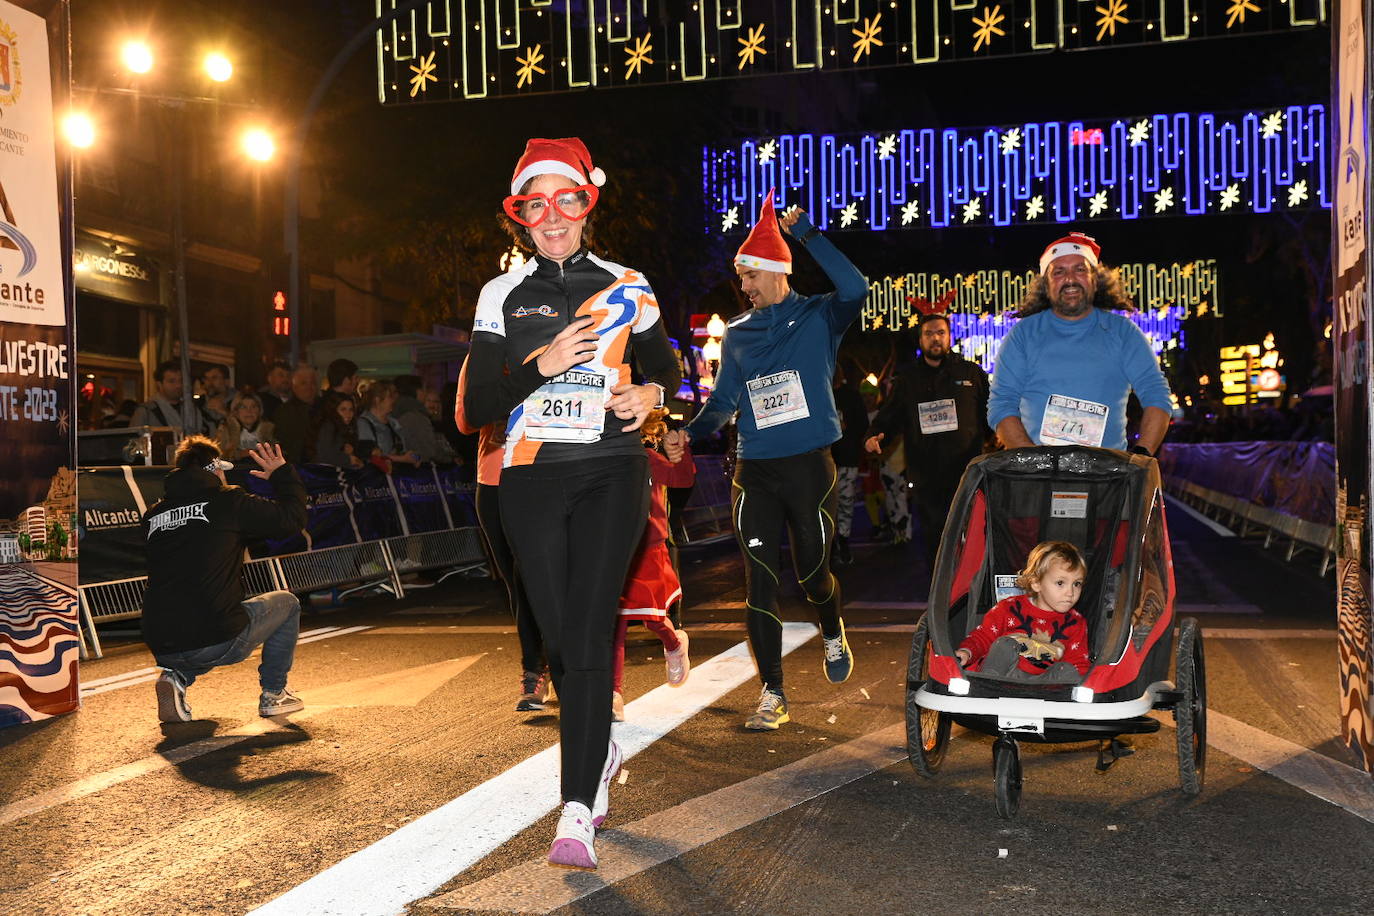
pixel 715 327
pixel 218 67
pixel 79 129
pixel 258 144
pixel 137 56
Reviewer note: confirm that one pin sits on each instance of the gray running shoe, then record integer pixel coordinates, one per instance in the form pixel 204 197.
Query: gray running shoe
pixel 839 661
pixel 771 713
pixel 534 691
pixel 171 698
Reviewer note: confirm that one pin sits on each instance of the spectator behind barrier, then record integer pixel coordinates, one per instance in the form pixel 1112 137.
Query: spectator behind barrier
pixel 342 376
pixel 295 417
pixel 244 429
pixel 277 391
pixel 335 435
pixel 380 439
pixel 417 423
pixel 164 408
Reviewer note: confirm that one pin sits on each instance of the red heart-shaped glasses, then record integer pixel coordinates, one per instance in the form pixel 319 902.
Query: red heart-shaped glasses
pixel 571 203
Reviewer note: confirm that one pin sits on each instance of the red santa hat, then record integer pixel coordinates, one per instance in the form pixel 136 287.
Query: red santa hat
pixel 1073 243
pixel 765 249
pixel 567 157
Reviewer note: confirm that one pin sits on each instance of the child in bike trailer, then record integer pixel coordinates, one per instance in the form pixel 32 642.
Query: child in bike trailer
pixel 652 586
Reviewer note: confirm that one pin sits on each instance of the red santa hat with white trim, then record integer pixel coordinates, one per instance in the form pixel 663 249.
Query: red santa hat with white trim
pixel 766 249
pixel 567 157
pixel 1073 243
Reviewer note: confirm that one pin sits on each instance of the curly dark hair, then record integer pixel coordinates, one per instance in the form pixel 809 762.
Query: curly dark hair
pixel 1110 294
pixel 521 234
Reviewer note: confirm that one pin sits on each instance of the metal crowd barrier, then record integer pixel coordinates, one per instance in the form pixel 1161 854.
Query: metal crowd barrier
pixel 367 564
pixel 1249 519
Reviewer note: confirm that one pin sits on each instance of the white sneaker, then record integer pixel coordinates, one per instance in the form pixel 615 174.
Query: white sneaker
pixel 279 703
pixel 677 662
pixel 573 841
pixel 602 805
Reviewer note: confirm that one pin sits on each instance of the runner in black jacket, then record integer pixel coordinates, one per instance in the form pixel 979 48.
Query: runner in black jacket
pixel 939 406
pixel 550 362
pixel 195 616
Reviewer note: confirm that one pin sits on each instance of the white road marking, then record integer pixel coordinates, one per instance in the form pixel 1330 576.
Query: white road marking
pixel 623 852
pixel 1316 774
pixel 1188 510
pixel 404 866
pixel 393 689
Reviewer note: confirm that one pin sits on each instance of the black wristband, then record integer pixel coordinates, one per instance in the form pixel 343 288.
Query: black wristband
pixel 1139 449
pixel 808 235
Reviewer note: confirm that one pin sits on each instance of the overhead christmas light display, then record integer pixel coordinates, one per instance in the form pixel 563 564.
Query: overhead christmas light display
pixel 982 304
pixel 477 49
pixel 1033 173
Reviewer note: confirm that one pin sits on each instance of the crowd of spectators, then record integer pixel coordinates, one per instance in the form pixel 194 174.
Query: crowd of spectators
pixel 347 423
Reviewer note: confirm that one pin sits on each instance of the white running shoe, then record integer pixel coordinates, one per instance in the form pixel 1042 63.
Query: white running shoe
pixel 677 662
pixel 602 805
pixel 574 840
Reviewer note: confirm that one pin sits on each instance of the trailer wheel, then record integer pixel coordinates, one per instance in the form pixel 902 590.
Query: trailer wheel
pixel 1190 715
pixel 927 730
pixel 1006 765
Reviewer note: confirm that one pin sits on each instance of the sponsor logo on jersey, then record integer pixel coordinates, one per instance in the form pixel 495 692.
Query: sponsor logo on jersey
pixel 544 311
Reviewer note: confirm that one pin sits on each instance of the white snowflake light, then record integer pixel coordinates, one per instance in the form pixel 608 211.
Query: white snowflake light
pixel 910 211
pixel 973 209
pixel 887 146
pixel 1097 204
pixel 1230 197
pixel 849 214
pixel 1164 200
pixel 1011 140
pixel 731 220
pixel 1298 193
pixel 767 151
pixel 1035 207
pixel 1272 124
pixel 1139 132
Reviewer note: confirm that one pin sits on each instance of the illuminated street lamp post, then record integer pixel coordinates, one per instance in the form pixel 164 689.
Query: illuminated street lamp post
pixel 257 144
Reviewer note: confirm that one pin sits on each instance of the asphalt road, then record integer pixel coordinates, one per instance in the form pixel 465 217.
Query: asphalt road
pixel 410 784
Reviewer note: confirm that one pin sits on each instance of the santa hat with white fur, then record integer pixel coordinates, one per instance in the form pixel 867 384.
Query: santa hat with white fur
pixel 1073 243
pixel 567 157
pixel 766 249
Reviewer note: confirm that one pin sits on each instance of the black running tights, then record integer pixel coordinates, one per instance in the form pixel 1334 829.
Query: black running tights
pixel 797 492
pixel 489 517
pixel 574 527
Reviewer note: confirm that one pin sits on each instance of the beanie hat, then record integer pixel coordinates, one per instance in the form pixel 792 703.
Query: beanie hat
pixel 567 157
pixel 1073 243
pixel 765 249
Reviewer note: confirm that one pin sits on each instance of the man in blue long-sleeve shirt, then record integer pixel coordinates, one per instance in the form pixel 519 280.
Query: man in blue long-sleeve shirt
pixel 1066 369
pixel 777 361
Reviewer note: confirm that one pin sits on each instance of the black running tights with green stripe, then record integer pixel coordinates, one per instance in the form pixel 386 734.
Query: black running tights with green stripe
pixel 798 492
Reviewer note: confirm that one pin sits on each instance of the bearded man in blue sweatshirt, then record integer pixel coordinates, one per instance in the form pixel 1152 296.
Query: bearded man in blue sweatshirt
pixel 1067 367
pixel 777 362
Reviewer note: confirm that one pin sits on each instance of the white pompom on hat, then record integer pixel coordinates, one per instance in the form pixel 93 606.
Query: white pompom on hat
pixel 567 157
pixel 1073 243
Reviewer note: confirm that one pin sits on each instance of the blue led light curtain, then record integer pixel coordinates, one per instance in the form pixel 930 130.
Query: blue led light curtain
pixel 1157 165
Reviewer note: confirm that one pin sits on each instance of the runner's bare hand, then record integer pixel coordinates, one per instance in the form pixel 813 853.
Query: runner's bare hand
pixel 632 402
pixel 573 346
pixel 268 458
pixel 874 444
pixel 675 445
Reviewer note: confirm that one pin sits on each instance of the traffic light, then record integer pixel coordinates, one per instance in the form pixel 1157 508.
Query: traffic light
pixel 281 321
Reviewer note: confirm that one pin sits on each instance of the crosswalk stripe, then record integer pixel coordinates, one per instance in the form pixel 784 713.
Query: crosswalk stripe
pixel 404 866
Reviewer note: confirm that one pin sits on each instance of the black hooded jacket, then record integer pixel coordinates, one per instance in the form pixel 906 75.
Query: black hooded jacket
pixel 195 539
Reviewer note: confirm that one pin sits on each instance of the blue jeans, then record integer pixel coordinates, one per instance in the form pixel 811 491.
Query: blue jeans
pixel 274 622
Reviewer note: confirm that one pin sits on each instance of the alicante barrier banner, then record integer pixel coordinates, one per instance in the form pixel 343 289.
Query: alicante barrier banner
pixel 1350 338
pixel 342 507
pixel 39 642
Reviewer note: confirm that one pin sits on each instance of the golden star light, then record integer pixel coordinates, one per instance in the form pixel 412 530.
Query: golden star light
pixel 1111 14
pixel 987 26
pixel 753 46
pixel 423 73
pixel 638 56
pixel 867 37
pixel 529 65
pixel 1237 10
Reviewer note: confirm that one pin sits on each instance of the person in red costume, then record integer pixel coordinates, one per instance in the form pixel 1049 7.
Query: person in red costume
pixel 1038 636
pixel 652 588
